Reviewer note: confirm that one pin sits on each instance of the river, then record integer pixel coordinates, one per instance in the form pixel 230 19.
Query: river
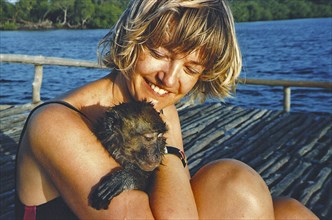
pixel 298 49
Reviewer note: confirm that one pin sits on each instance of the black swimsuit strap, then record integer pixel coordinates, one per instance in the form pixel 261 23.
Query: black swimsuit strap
pixel 61 103
pixel 47 103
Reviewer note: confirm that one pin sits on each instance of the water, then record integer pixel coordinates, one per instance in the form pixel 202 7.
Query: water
pixel 291 49
pixel 287 50
pixel 16 79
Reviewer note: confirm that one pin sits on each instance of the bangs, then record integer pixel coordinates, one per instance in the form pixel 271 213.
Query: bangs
pixel 188 30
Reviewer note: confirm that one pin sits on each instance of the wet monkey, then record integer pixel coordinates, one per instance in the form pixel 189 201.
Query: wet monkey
pixel 133 134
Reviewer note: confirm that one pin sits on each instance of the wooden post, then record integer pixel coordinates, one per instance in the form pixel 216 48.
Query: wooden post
pixel 287 98
pixel 37 82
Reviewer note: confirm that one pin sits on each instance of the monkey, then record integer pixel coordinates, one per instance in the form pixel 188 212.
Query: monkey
pixel 133 134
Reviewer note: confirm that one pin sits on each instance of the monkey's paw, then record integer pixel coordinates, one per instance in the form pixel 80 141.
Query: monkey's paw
pixel 110 186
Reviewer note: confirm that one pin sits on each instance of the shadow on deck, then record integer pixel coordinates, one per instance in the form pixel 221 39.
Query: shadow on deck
pixel 292 151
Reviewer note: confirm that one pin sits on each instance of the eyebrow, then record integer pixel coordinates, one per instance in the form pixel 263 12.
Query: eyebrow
pixel 196 63
pixel 194 59
pixel 169 51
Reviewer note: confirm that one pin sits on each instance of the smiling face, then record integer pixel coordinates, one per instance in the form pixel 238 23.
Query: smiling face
pixel 149 43
pixel 164 77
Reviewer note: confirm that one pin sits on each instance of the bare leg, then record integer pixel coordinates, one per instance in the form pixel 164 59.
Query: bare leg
pixel 231 189
pixel 287 208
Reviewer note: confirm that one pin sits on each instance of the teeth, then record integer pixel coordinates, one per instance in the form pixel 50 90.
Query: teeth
pixel 158 90
pixel 153 101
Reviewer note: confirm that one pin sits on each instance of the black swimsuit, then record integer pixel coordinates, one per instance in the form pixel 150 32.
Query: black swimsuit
pixel 54 209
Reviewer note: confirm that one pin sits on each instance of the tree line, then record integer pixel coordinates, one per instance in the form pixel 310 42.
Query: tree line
pixel 261 10
pixel 35 14
pixel 42 14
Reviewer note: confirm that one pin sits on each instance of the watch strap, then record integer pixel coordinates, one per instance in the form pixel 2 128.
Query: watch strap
pixel 177 152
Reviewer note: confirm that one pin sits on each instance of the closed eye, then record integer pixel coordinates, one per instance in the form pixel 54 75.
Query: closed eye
pixel 149 136
pixel 192 71
pixel 157 54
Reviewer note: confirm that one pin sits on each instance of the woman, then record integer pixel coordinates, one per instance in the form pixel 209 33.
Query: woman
pixel 160 51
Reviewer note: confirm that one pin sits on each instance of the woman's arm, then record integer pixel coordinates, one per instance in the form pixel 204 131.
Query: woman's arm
pixel 72 157
pixel 171 196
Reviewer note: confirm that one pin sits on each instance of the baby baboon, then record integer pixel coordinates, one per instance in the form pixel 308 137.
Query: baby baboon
pixel 133 134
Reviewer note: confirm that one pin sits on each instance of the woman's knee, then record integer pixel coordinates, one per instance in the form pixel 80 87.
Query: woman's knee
pixel 235 186
pixel 289 208
pixel 232 173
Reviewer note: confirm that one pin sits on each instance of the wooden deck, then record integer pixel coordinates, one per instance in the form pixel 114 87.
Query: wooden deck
pixel 292 151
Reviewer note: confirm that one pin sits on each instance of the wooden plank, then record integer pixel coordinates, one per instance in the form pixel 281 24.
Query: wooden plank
pixel 284 141
pixel 220 128
pixel 287 83
pixel 314 137
pixel 271 172
pixel 292 152
pixel 4 107
pixel 227 130
pixel 41 60
pixel 244 134
pixel 292 173
pixel 17 109
pixel 321 202
pixel 316 185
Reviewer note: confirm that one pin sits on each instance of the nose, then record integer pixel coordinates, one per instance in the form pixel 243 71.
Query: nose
pixel 169 77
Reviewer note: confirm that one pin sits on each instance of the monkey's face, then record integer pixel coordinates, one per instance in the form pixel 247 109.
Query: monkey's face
pixel 145 149
pixel 133 134
pixel 143 131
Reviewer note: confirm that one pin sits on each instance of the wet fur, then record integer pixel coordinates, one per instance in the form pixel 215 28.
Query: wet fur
pixel 133 135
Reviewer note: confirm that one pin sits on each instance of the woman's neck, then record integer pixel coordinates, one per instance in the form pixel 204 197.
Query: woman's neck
pixel 120 92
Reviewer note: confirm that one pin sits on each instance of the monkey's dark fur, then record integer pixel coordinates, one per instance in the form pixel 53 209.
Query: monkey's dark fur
pixel 133 134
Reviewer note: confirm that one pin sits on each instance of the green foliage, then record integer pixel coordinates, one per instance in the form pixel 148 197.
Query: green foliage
pixel 23 9
pixel 60 10
pixel 39 10
pixel 104 13
pixel 84 10
pixel 8 25
pixel 258 10
pixel 6 10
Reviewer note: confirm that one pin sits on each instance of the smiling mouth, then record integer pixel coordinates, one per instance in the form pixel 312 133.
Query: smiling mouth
pixel 157 89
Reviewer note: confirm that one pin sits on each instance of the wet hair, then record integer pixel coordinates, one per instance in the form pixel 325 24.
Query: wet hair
pixel 180 26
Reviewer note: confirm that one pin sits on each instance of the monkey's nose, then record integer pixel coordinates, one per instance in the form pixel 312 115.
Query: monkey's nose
pixel 150 161
pixel 149 166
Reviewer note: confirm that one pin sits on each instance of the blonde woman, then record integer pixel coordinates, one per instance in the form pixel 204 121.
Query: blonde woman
pixel 160 51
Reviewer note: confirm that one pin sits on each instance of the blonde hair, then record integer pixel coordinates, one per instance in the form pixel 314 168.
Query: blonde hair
pixel 181 26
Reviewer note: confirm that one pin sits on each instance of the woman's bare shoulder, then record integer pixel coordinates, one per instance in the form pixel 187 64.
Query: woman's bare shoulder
pixel 53 117
pixel 91 93
pixel 55 127
pixel 67 150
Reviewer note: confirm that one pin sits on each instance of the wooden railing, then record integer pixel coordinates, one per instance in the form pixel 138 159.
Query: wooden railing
pixel 287 84
pixel 39 61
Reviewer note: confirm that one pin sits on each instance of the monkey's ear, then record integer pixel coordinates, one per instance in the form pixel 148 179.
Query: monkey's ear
pixel 112 120
pixel 109 132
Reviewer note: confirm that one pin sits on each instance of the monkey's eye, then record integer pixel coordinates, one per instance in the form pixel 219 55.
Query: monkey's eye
pixel 149 136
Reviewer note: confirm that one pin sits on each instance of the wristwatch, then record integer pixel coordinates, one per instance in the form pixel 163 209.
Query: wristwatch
pixel 177 152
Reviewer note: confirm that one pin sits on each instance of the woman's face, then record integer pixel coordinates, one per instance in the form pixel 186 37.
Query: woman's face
pixel 163 77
